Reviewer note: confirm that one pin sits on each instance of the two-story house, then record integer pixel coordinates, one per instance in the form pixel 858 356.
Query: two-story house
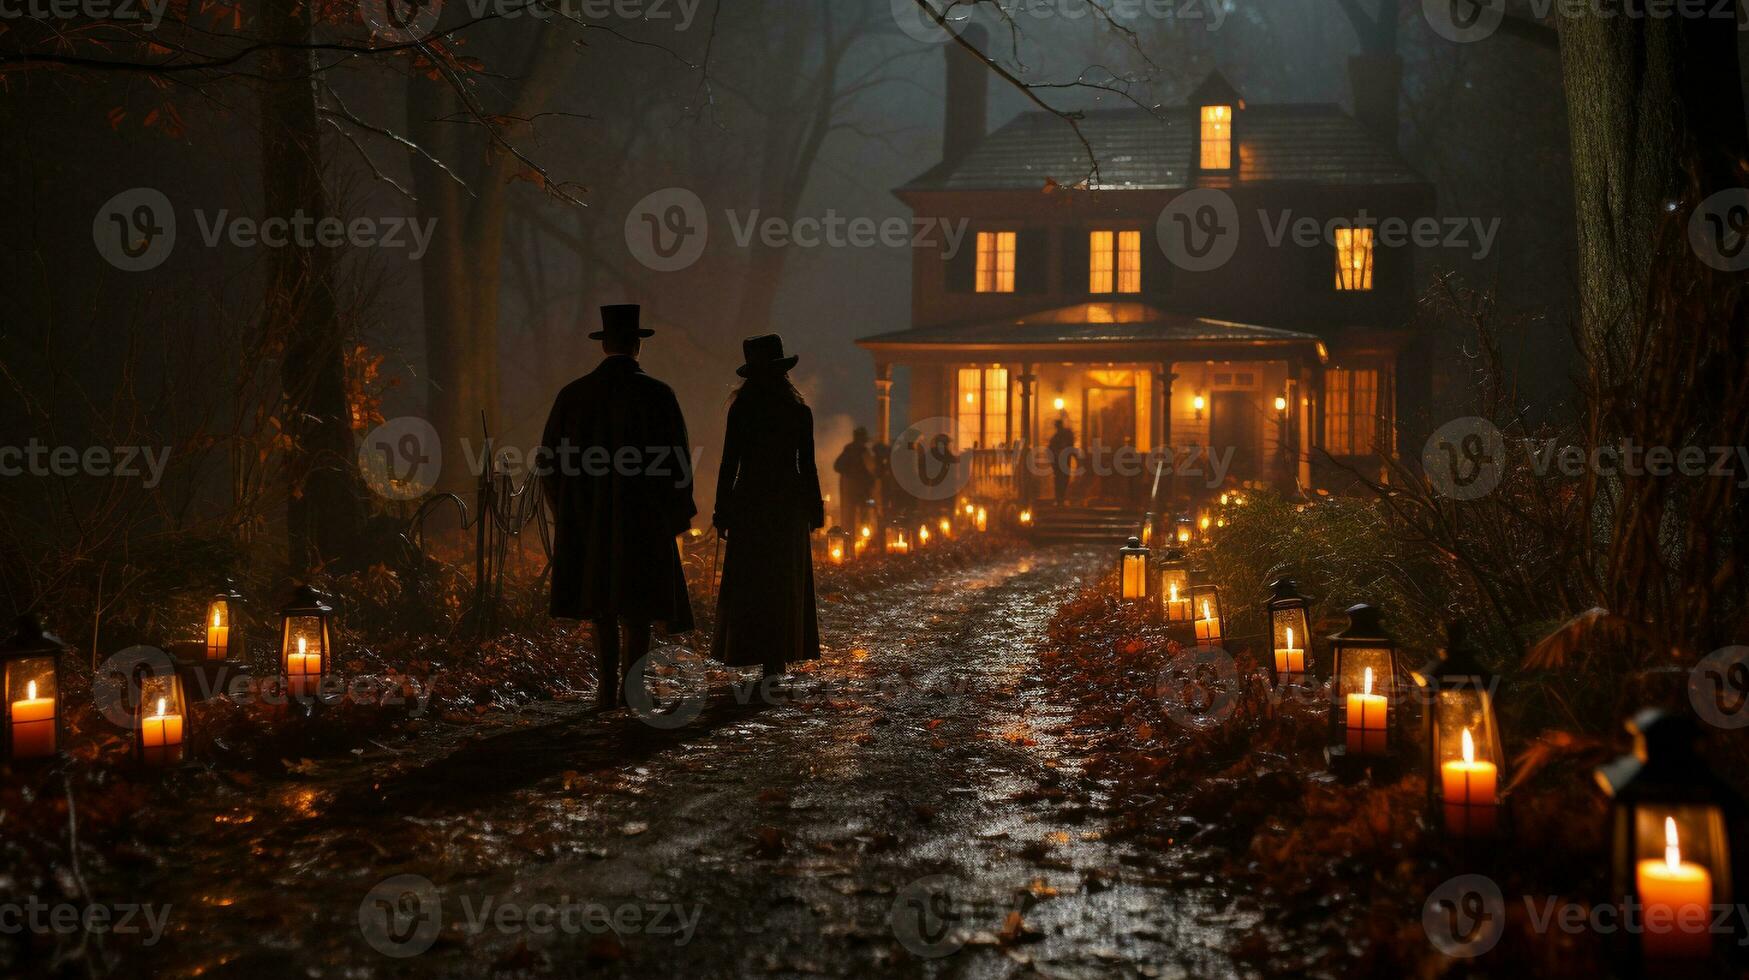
pixel 1063 302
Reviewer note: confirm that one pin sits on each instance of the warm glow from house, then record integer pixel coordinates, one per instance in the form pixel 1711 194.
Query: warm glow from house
pixel 1217 137
pixel 995 262
pixel 1354 259
pixel 1114 262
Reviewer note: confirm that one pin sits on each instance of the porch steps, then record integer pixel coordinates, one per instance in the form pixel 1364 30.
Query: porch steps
pixel 1105 525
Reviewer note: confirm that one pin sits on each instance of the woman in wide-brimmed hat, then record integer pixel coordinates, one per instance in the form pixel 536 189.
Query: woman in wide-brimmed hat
pixel 768 499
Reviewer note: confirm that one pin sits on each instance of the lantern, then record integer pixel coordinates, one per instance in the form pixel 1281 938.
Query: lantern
pixel 1205 606
pixel 1175 587
pixel 1466 767
pixel 864 535
pixel 1290 635
pixel 837 545
pixel 1363 674
pixel 923 536
pixel 30 666
pixel 1203 524
pixel 1026 517
pixel 1183 528
pixel 1670 816
pixel 945 526
pixel 305 645
pixel 1148 530
pixel 982 520
pixel 160 720
pixel 224 634
pixel 1132 572
pixel 895 540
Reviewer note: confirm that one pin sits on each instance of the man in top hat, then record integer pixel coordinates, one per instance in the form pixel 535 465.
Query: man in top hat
pixel 855 467
pixel 618 475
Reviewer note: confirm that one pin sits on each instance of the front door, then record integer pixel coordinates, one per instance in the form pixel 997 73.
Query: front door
pixel 1111 422
pixel 1235 424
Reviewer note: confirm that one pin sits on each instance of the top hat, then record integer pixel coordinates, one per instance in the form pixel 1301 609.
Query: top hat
pixel 620 320
pixel 764 356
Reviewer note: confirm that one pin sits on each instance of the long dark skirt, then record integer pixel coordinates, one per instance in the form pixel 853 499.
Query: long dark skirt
pixel 766 610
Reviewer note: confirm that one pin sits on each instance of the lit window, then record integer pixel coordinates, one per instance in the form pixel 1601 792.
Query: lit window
pixel 1217 137
pixel 1354 259
pixel 982 407
pixel 995 261
pixel 1351 411
pixel 1114 262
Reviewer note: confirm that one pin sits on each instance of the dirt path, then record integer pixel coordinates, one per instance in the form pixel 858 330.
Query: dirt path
pixel 906 808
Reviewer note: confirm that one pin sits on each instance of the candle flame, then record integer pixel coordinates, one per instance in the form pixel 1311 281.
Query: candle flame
pixel 1366 682
pixel 1205 610
pixel 1174 591
pixel 216 622
pixel 1290 637
pixel 300 645
pixel 160 708
pixel 30 691
pixel 1469 748
pixel 1672 850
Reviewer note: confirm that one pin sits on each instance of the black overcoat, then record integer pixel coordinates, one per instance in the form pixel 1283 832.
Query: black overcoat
pixel 618 475
pixel 768 498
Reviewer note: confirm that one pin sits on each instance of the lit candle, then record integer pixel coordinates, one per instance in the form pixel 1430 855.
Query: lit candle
pixel 837 553
pixel 1177 610
pixel 1208 628
pixel 301 666
pixel 946 528
pixel 1469 792
pixel 983 521
pixel 1135 576
pixel 1026 517
pixel 33 725
pixel 218 637
pixel 1677 896
pixel 161 736
pixel 901 545
pixel 1366 719
pixel 1290 659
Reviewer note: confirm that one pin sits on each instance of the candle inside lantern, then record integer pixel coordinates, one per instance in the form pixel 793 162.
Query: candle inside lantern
pixel 33 725
pixel 1026 517
pixel 946 527
pixel 300 667
pixel 1469 792
pixel 922 535
pixel 1366 719
pixel 983 519
pixel 218 636
pixel 1208 628
pixel 1177 609
pixel 1290 659
pixel 836 553
pixel 1677 896
pixel 161 736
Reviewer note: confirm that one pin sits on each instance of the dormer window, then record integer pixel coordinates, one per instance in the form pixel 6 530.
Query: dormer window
pixel 995 262
pixel 1217 137
pixel 1353 260
pixel 1114 262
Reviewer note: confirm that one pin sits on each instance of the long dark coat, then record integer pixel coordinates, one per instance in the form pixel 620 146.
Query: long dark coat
pixel 618 475
pixel 768 497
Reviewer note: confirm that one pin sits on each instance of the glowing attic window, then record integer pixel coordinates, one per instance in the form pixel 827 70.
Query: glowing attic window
pixel 1353 259
pixel 1217 137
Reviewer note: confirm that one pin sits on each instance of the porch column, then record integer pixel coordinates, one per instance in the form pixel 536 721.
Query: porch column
pixel 884 402
pixel 1023 457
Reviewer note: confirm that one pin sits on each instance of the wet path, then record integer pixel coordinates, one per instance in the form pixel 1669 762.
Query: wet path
pixel 908 807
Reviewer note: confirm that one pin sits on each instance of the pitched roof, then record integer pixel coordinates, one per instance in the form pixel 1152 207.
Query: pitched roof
pixel 1145 149
pixel 1110 323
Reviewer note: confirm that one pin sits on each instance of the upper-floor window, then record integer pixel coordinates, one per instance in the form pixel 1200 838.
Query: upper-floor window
pixel 1351 411
pixel 1217 137
pixel 982 409
pixel 995 262
pixel 1114 262
pixel 1353 259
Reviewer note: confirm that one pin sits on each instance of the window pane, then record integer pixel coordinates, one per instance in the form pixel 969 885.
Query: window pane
pixel 1129 261
pixel 1366 410
pixel 995 262
pixel 1354 259
pixel 1351 411
pixel 995 407
pixel 1099 262
pixel 1336 408
pixel 1217 137
pixel 968 409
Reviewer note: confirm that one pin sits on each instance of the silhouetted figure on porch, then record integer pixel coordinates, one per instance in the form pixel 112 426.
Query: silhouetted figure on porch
pixel 618 476
pixel 1062 453
pixel 768 499
pixel 856 479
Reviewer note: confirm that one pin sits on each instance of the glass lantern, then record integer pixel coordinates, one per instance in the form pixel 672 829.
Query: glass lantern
pixel 1363 673
pixel 1132 572
pixel 306 650
pixel 160 720
pixel 837 545
pixel 1670 820
pixel 30 662
pixel 981 520
pixel 895 540
pixel 1205 606
pixel 224 633
pixel 1290 634
pixel 1175 587
pixel 1466 767
pixel 923 535
pixel 1026 517
pixel 1182 529
pixel 945 527
pixel 1148 530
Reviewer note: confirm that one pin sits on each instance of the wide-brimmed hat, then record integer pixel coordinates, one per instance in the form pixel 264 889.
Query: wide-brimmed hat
pixel 764 356
pixel 620 320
